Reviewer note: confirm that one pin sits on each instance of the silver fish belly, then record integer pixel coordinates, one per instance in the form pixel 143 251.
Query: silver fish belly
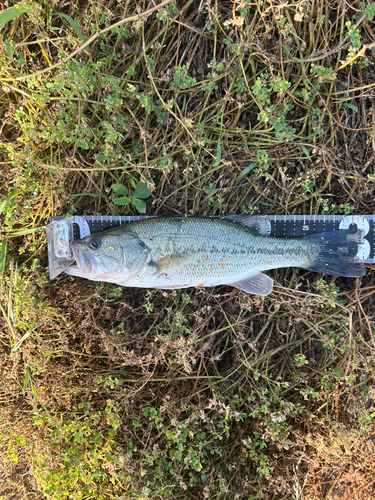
pixel 179 252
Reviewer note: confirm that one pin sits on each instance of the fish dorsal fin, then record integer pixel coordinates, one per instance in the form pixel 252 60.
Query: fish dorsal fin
pixel 259 284
pixel 257 223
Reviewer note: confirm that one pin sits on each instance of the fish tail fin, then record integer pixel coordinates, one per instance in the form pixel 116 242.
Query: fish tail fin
pixel 338 253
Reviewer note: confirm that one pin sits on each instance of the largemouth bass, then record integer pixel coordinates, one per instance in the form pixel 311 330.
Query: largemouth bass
pixel 173 252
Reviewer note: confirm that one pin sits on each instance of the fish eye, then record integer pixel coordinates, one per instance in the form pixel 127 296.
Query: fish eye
pixel 94 244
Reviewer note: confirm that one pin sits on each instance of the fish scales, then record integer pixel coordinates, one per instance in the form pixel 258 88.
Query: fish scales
pixel 179 252
pixel 212 249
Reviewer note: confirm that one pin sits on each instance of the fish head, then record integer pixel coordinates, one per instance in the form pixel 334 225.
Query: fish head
pixel 96 254
pixel 108 256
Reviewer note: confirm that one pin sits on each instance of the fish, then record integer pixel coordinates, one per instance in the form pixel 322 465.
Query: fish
pixel 173 252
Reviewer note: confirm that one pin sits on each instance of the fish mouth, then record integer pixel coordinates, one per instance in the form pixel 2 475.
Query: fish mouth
pixel 85 261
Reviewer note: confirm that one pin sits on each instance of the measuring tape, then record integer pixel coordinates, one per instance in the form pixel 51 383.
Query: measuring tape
pixel 62 231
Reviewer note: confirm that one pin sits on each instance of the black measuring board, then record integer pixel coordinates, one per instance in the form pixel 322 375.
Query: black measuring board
pixel 110 222
pixel 295 226
pixel 99 223
pixel 76 231
pixel 284 226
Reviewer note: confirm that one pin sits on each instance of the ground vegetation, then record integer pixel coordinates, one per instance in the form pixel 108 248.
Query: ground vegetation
pixel 199 107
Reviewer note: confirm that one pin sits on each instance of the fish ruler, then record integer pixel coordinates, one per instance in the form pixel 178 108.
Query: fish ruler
pixel 61 231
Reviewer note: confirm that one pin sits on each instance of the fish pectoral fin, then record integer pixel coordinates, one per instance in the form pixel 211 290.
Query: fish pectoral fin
pixel 259 284
pixel 259 224
pixel 170 261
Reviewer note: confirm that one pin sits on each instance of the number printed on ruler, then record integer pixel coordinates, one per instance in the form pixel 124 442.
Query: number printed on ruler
pixel 362 225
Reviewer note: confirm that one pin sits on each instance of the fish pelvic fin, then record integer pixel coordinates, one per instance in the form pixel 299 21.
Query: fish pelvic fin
pixel 259 284
pixel 338 253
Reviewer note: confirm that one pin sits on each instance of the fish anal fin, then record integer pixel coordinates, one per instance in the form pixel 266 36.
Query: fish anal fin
pixel 259 284
pixel 259 224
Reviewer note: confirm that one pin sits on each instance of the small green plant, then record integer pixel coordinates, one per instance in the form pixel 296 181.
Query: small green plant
pixel 332 208
pixel 261 89
pixel 275 112
pixel 149 305
pixel 217 67
pixel 165 162
pixel 284 26
pixel 300 360
pixel 260 164
pixel 169 11
pixel 323 74
pixel 135 200
pixel 209 86
pixel 181 79
pixel 369 11
pixel 330 291
pixel 254 449
pixel 240 85
pixel 354 35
